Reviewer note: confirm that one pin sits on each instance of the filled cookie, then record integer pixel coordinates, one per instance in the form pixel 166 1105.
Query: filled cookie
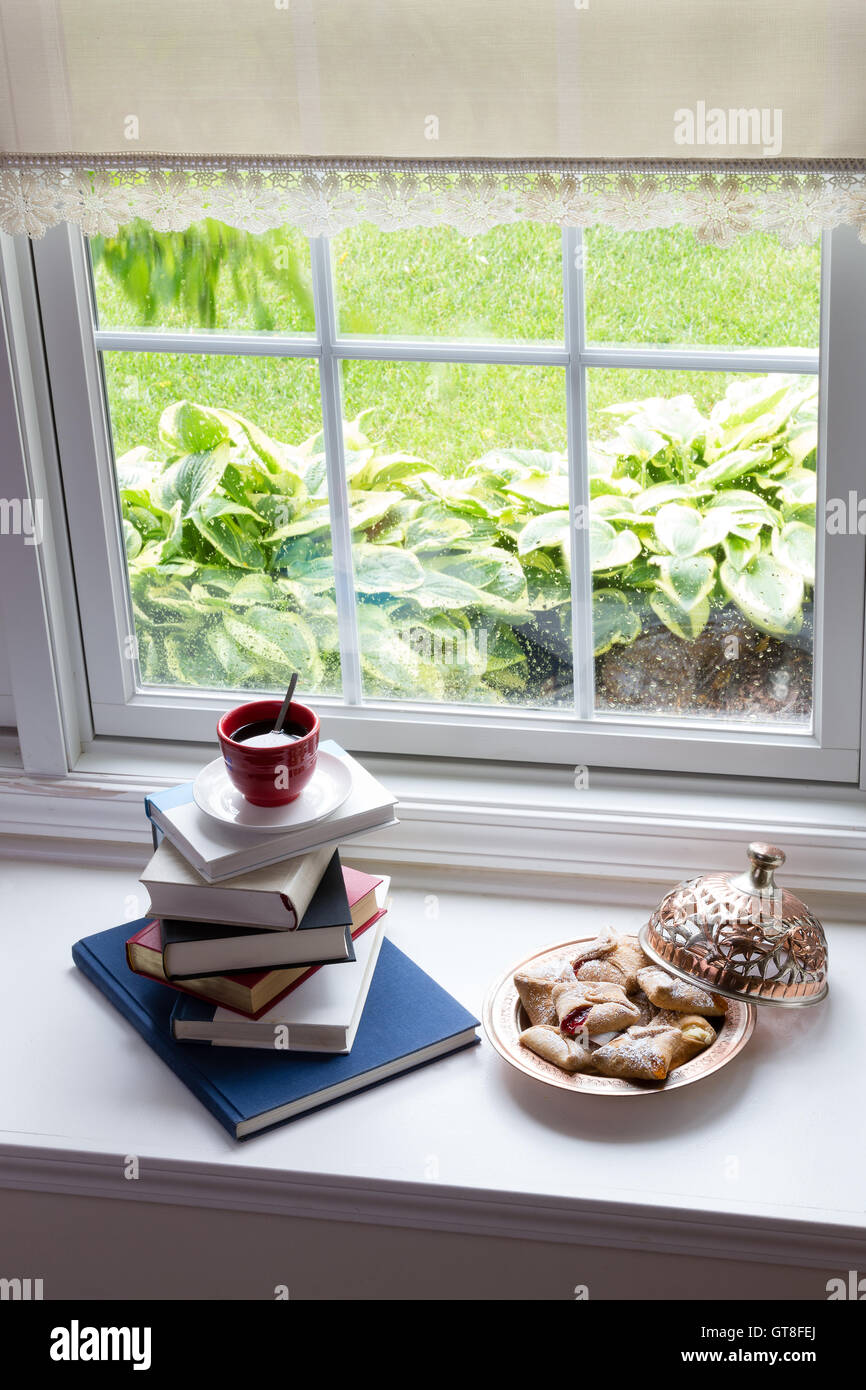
pixel 668 992
pixel 549 1043
pixel 619 965
pixel 599 1007
pixel 535 986
pixel 641 1054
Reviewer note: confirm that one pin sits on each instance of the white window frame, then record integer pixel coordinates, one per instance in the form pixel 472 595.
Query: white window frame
pixel 830 753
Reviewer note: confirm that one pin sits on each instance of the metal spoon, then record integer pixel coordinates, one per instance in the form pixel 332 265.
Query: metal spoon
pixel 284 709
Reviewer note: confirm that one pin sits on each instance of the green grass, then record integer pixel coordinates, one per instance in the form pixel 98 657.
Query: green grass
pixel 659 287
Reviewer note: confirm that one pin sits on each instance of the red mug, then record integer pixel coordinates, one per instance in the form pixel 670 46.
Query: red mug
pixel 270 776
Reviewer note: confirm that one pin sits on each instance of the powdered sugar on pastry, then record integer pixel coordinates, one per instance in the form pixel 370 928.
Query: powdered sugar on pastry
pixel 603 944
pixel 668 992
pixel 641 1054
pixel 600 1007
pixel 618 966
pixel 535 987
pixel 549 1044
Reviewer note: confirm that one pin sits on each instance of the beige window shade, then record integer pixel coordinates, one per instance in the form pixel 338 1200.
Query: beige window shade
pixel 406 111
pixel 493 79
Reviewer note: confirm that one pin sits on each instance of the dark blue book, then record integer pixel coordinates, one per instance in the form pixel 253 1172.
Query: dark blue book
pixel 408 1020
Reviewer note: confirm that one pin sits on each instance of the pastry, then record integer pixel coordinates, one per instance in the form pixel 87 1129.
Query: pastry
pixel 641 1054
pixel 648 1010
pixel 650 1053
pixel 600 1007
pixel 666 992
pixel 696 1033
pixel 535 987
pixel 603 944
pixel 619 966
pixel 548 1043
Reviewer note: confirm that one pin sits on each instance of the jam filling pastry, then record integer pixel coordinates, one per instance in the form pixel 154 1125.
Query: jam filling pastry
pixel 598 1007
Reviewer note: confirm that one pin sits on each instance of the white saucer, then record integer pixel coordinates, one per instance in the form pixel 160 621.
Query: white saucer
pixel 326 790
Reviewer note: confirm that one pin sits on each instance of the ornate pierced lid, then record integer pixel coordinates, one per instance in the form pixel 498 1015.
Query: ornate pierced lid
pixel 741 935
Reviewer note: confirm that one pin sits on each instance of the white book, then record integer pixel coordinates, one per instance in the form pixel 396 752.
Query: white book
pixel 273 898
pixel 218 852
pixel 322 1016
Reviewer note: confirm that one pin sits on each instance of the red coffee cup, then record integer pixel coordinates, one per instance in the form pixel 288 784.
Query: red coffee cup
pixel 270 776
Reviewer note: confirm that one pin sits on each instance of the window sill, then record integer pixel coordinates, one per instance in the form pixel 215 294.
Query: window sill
pixel 725 1169
pixel 503 818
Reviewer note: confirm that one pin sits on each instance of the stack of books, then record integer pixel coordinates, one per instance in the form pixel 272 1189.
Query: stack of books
pixel 262 974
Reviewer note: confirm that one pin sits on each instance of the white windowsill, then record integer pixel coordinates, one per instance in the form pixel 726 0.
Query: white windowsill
pixel 512 818
pixel 734 1167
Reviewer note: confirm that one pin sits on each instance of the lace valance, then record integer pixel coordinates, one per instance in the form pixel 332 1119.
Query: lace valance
pixel 322 197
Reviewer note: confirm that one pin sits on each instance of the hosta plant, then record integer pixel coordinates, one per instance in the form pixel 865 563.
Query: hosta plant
pixel 463 582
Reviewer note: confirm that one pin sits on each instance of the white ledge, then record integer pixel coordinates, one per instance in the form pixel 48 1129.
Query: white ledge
pixel 504 818
pixel 739 1166
pixel 432 1206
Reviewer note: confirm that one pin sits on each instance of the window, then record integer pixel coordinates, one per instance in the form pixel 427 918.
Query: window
pixel 529 494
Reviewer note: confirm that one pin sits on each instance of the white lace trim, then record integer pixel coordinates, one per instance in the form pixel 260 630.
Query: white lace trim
pixel 322 198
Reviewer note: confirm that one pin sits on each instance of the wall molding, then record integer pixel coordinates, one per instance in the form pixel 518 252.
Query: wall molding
pixel 517 1216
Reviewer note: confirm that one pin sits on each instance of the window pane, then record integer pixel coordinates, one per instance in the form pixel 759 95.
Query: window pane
pixel 459 495
pixel 664 287
pixel 703 542
pixel 433 282
pixel 224 499
pixel 210 277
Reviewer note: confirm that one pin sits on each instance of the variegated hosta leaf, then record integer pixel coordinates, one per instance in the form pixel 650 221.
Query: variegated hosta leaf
pixel 688 580
pixel 614 620
pixel 612 507
pixel 193 478
pixel 279 642
pixel 735 464
pixel 610 549
pixel 740 552
pixel 385 569
pixel 131 540
pixel 551 528
pixel 542 493
pixel 767 593
pixel 685 624
pixel 652 498
pixel 189 429
pixel 684 531
pixel 794 546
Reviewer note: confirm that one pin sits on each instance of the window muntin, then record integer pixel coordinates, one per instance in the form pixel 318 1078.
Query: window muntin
pixel 424 405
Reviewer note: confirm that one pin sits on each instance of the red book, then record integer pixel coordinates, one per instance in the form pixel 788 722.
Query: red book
pixel 251 992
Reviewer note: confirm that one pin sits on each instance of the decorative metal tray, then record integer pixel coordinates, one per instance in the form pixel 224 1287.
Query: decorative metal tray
pixel 504 1021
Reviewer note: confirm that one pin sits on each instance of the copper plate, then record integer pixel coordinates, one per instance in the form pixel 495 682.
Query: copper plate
pixel 504 1021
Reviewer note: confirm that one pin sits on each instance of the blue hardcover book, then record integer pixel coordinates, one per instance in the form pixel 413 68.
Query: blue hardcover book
pixel 408 1020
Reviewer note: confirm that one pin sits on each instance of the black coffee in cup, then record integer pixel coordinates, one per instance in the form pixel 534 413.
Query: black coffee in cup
pixel 262 734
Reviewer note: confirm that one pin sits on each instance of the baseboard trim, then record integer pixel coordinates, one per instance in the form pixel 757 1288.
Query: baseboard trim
pixel 516 1216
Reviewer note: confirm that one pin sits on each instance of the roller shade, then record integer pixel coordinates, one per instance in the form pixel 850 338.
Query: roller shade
pixel 407 111
pixel 416 79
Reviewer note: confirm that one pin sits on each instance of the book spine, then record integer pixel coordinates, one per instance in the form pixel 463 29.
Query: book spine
pixel 155 832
